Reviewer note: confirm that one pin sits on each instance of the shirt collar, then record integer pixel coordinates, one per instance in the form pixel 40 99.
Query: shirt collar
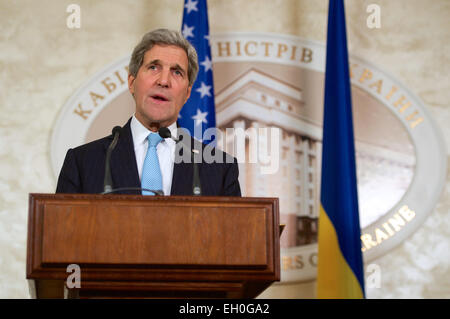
pixel 140 132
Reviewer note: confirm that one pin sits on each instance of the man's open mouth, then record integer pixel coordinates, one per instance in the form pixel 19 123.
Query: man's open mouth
pixel 160 98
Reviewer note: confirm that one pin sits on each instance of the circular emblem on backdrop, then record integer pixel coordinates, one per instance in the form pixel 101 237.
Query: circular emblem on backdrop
pixel 272 80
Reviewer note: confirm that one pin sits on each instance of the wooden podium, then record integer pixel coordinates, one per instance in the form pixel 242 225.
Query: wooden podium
pixel 132 246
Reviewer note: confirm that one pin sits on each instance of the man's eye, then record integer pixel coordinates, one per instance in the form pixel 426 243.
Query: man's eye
pixel 152 67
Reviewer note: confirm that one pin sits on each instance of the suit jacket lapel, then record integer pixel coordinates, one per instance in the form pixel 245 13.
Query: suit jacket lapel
pixel 123 161
pixel 181 177
pixel 183 172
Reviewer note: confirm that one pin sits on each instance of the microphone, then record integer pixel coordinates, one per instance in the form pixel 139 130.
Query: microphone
pixel 164 132
pixel 107 182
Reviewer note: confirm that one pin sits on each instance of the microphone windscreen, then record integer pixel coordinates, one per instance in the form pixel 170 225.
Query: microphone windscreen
pixel 164 132
pixel 116 129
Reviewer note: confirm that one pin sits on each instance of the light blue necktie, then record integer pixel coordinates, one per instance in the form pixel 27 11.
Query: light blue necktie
pixel 151 172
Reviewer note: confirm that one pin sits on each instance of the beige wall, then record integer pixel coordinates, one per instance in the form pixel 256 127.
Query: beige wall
pixel 42 63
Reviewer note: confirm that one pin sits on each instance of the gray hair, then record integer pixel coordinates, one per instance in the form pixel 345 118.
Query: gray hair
pixel 165 37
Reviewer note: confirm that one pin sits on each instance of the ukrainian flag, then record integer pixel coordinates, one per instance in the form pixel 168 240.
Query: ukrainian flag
pixel 340 265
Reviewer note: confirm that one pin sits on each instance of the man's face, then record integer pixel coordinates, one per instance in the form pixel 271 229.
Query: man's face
pixel 161 86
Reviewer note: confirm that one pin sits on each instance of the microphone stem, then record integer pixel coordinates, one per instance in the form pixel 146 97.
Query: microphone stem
pixel 108 178
pixel 196 185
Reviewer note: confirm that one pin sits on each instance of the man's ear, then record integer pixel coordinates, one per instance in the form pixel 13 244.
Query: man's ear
pixel 188 93
pixel 131 84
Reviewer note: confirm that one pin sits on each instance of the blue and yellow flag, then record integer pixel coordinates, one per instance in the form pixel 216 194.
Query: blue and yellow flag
pixel 340 265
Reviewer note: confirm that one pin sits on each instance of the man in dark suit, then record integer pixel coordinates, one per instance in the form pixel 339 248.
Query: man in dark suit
pixel 163 68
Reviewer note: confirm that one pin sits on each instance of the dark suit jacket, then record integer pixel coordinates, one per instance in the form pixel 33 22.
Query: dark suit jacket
pixel 83 170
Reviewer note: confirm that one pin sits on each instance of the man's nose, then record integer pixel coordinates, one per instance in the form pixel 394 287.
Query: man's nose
pixel 164 78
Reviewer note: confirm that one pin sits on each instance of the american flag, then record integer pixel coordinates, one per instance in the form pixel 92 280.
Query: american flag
pixel 198 114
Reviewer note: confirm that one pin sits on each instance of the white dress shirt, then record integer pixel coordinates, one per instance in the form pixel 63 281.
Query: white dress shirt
pixel 165 151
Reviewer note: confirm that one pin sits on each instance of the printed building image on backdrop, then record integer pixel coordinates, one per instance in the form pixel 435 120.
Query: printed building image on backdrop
pixel 264 80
